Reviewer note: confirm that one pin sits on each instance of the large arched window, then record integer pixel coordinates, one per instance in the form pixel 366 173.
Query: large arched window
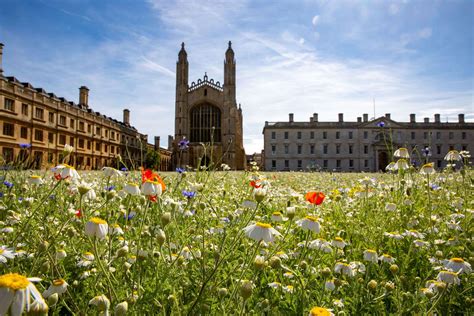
pixel 205 121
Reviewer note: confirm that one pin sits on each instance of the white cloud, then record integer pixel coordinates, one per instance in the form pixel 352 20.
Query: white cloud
pixel 425 33
pixel 315 20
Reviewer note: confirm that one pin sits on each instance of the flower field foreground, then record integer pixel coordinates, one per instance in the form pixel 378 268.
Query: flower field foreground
pixel 248 243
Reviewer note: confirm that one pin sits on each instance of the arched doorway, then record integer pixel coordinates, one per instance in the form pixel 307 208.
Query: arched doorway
pixel 382 160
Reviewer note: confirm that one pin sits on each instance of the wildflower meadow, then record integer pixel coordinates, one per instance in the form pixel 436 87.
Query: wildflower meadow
pixel 219 242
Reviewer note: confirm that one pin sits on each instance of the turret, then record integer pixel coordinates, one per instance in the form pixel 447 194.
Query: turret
pixel 229 74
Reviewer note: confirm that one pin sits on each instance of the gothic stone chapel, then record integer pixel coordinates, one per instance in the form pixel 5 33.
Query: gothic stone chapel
pixel 206 113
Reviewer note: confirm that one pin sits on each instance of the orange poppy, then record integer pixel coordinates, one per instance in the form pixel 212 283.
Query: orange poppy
pixel 255 184
pixel 315 197
pixel 149 175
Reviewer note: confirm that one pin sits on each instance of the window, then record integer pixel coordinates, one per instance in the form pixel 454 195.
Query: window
pixel 273 149
pixel 299 149
pixel 311 148
pixel 112 135
pixel 62 120
pixel 464 147
pixel 106 133
pixel 81 143
pixel 438 135
pixel 351 135
pixel 338 149
pixel 89 144
pixel 325 149
pixel 366 134
pixel 273 135
pixel 50 157
pixel 71 141
pixel 24 109
pixel 97 146
pixel 7 154
pixel 300 164
pixel 439 163
pixel 366 163
pixel 311 135
pixel 39 113
pixel 463 135
pixel 425 135
pixel 287 164
pixel 89 128
pixel 71 123
pixel 325 135
pixel 8 129
pixel 9 105
pixel 413 135
pixel 287 149
pixel 366 149
pixel 338 135
pixel 97 130
pixel 351 163
pixel 274 164
pixel 39 135
pixel 438 149
pixel 286 135
pixel 62 139
pixel 81 126
pixel 51 117
pixel 299 135
pixel 51 137
pixel 451 135
pixel 205 123
pixel 325 163
pixel 24 132
pixel 351 149
pixel 106 148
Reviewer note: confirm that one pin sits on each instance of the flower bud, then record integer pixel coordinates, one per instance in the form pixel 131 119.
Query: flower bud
pixel 165 218
pixel 394 268
pixel 246 289
pixel 303 265
pixel 43 246
pixel 389 286
pixel 372 285
pixel 45 267
pixel 326 272
pixel 53 299
pixel 275 262
pixel 222 292
pixel 121 309
pixel 439 254
pixel 161 237
pixel 259 262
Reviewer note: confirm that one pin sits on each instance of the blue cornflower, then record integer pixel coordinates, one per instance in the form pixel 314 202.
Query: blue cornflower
pixel 110 188
pixel 381 124
pixel 25 146
pixel 183 144
pixel 189 194
pixel 8 184
pixel 426 152
pixel 1 194
pixel 130 215
pixel 123 169
pixel 180 170
pixel 52 197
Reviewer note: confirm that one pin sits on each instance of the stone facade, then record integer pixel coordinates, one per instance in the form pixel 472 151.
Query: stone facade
pixel 32 116
pixel 364 145
pixel 206 112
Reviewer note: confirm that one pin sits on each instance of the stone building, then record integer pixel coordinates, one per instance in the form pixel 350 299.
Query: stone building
pixel 206 112
pixel 46 123
pixel 363 145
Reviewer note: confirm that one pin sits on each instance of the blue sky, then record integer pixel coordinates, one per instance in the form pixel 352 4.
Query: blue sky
pixel 302 56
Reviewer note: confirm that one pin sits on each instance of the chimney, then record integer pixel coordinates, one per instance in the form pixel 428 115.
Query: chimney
pixel 359 119
pixel 366 117
pixel 291 117
pixel 341 117
pixel 84 96
pixel 311 119
pixel 126 116
pixel 1 58
pixel 461 118
pixel 427 119
pixel 437 118
pixel 387 115
pixel 157 142
pixel 170 142
pixel 315 117
pixel 412 118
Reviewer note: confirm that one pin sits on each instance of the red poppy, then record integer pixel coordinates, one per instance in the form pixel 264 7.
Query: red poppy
pixel 315 197
pixel 149 175
pixel 255 184
pixel 78 214
pixel 152 198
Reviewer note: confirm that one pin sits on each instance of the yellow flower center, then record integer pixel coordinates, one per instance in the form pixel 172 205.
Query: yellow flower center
pixel 386 255
pixel 371 250
pixel 449 272
pixel 87 253
pixel 280 253
pixel 97 221
pixel 152 182
pixel 133 184
pixel 338 239
pixel 276 214
pixel 1 251
pixel 263 225
pixel 311 218
pixel 58 282
pixel 35 177
pixel 14 281
pixel 319 311
pixel 428 165
pixel 68 166
pixel 457 260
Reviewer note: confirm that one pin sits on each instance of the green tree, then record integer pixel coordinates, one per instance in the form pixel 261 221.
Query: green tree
pixel 152 159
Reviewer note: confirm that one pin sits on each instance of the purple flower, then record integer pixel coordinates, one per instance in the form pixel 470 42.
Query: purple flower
pixel 381 124
pixel 130 215
pixel 183 144
pixel 426 152
pixel 25 146
pixel 123 169
pixel 1 194
pixel 110 188
pixel 8 184
pixel 180 170
pixel 189 194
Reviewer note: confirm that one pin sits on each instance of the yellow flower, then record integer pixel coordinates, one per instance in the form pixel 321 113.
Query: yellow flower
pixel 320 311
pixel 402 153
pixel 428 168
pixel 309 223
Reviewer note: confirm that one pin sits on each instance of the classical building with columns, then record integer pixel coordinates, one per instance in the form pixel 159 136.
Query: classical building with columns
pixel 362 145
pixel 208 116
pixel 35 125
